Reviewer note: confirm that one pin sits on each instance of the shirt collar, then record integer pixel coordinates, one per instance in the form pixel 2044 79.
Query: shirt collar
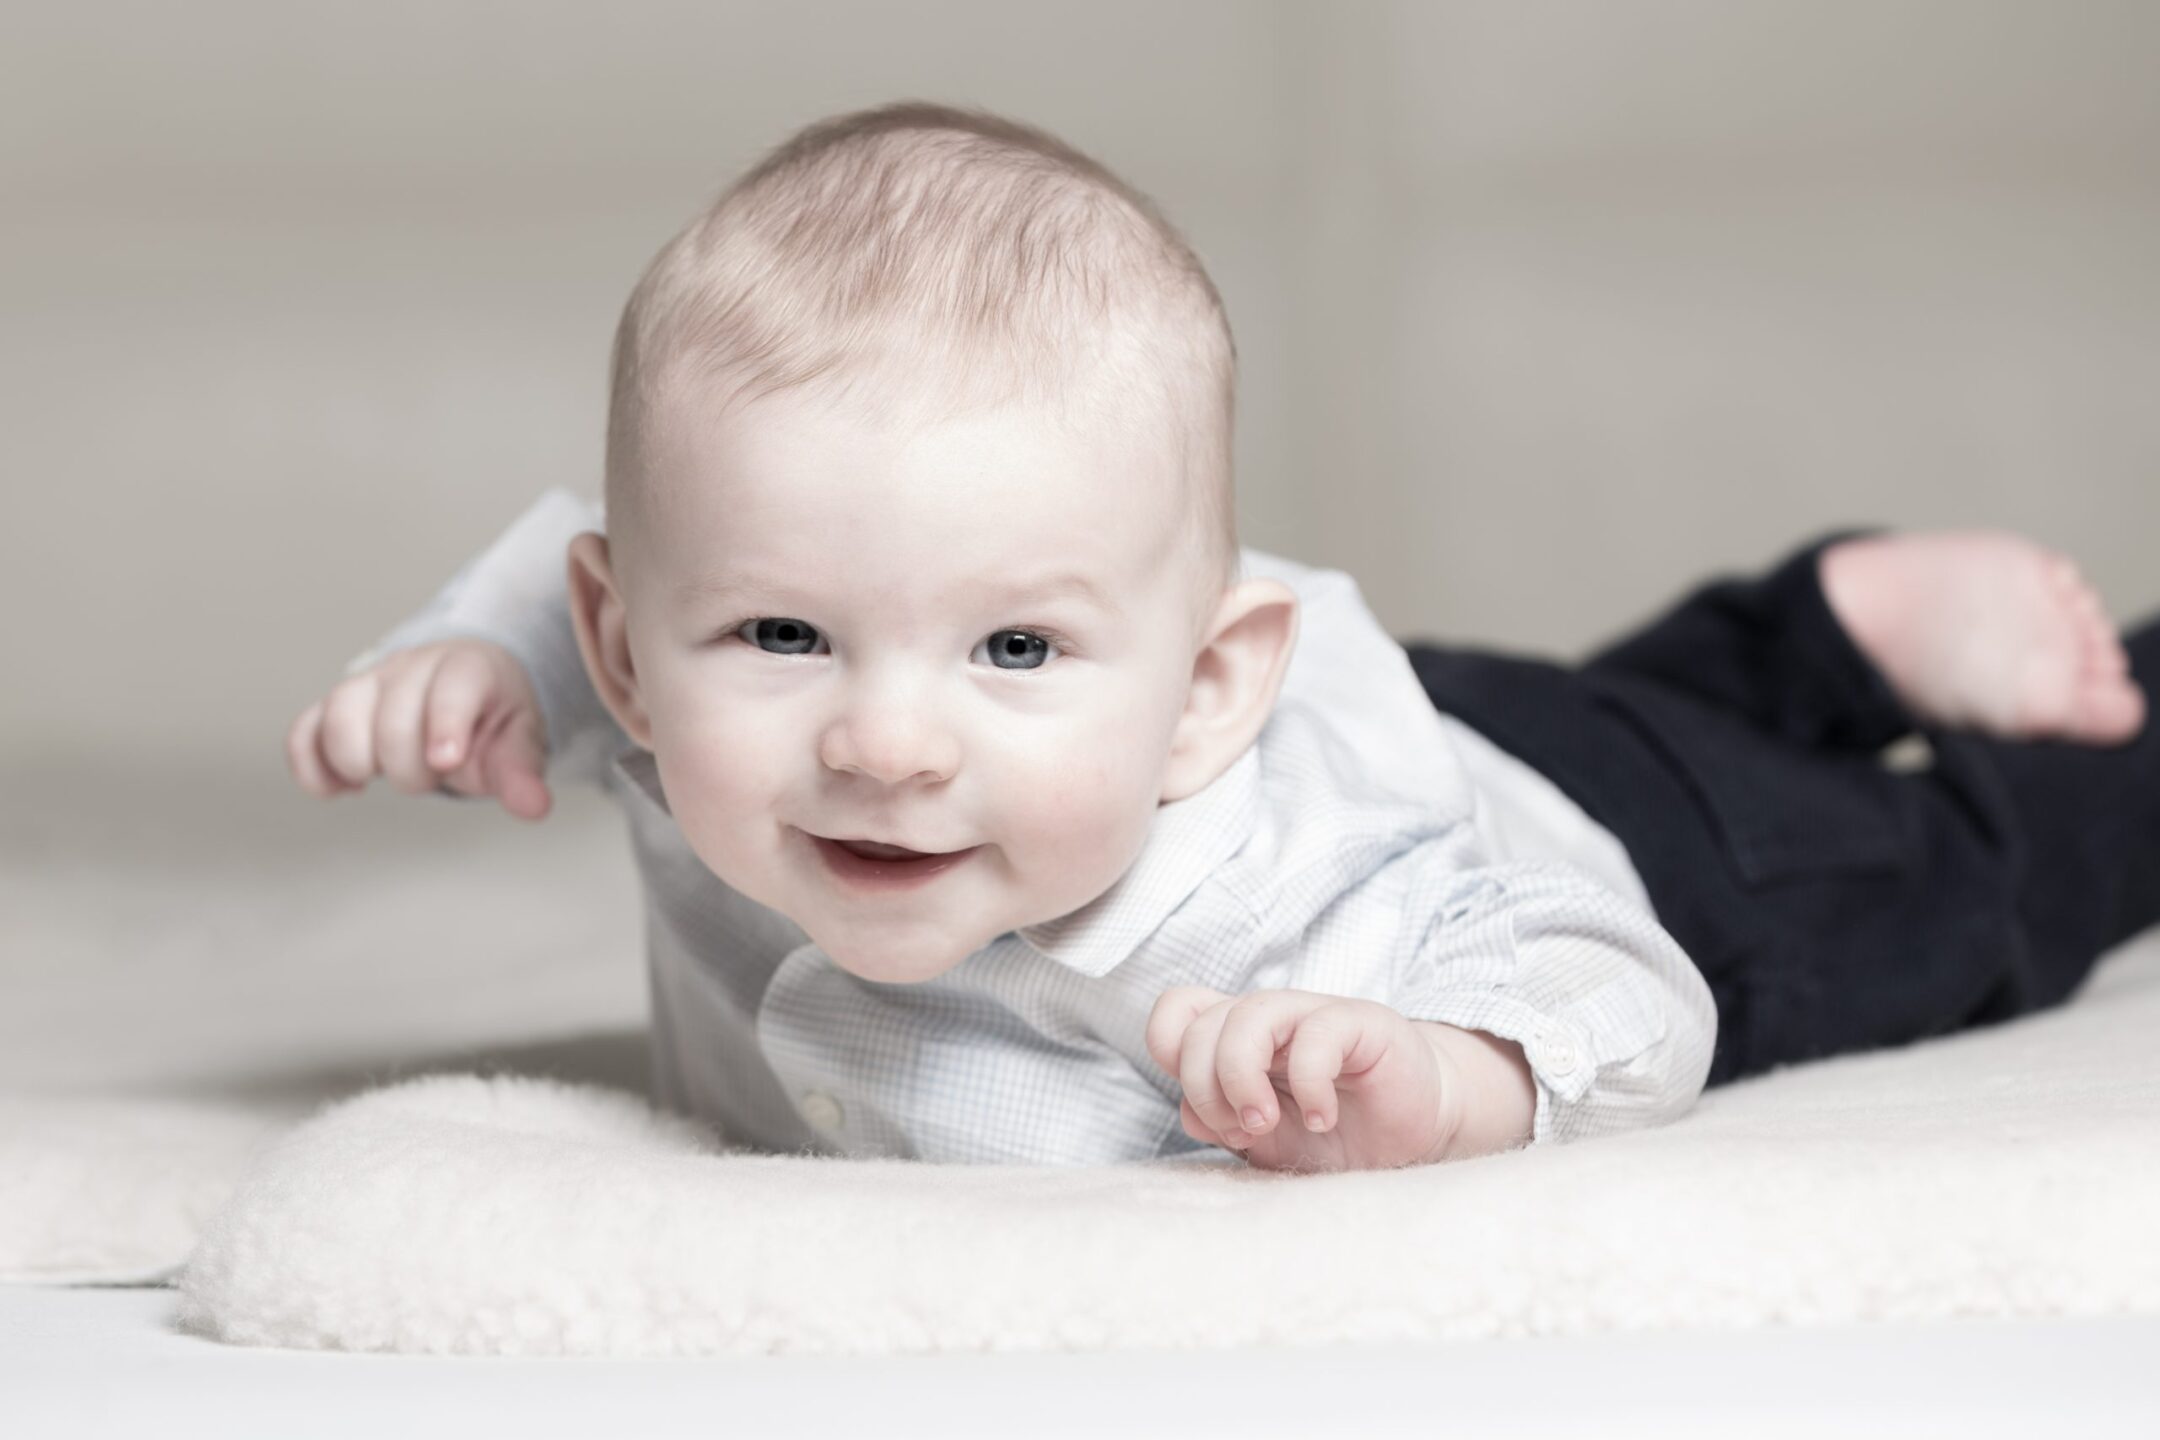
pixel 1187 840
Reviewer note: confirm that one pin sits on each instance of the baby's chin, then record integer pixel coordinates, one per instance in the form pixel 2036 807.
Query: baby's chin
pixel 892 959
pixel 897 953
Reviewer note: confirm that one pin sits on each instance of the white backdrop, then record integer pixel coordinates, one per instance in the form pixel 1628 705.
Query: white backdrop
pixel 1545 308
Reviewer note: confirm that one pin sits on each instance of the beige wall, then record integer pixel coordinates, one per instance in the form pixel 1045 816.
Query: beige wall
pixel 1544 308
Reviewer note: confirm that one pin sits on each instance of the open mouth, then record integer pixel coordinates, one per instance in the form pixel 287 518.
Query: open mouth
pixel 871 850
pixel 871 864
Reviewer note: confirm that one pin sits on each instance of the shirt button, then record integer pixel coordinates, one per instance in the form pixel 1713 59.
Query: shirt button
pixel 1907 754
pixel 1553 1054
pixel 822 1111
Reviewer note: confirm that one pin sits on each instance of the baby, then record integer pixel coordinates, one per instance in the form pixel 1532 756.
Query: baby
pixel 992 804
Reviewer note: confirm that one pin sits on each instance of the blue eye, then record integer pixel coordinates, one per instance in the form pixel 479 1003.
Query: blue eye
pixel 1006 649
pixel 780 637
pixel 1017 649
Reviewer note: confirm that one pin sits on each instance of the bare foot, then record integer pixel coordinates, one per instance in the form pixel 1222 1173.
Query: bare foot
pixel 1984 629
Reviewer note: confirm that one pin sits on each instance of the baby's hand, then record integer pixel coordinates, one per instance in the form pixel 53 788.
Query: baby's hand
pixel 1338 1084
pixel 457 714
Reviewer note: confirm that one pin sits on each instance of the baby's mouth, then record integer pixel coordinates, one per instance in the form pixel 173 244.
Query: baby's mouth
pixel 872 866
pixel 872 850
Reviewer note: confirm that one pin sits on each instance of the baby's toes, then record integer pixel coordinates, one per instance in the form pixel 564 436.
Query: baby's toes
pixel 2100 647
pixel 2067 575
pixel 2106 709
pixel 2104 654
pixel 2067 583
pixel 2107 660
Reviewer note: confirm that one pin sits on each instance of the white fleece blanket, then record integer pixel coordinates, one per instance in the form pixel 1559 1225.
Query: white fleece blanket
pixel 2014 1171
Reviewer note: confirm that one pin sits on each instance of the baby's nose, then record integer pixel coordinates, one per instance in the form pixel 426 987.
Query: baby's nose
pixel 890 745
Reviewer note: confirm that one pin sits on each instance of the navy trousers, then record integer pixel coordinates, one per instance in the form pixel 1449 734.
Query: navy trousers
pixel 1834 902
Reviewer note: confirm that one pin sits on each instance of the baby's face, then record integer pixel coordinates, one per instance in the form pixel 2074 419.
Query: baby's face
pixel 970 637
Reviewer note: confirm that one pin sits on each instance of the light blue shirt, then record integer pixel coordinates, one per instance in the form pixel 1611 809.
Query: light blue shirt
pixel 1365 845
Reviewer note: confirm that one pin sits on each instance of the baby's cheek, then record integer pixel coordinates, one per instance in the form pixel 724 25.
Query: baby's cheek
pixel 1073 799
pixel 721 803
pixel 1090 816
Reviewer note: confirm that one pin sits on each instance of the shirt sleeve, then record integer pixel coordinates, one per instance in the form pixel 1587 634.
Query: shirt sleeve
pixel 516 592
pixel 1617 1023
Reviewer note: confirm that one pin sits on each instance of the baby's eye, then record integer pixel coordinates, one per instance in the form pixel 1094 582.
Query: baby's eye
pixel 1016 649
pixel 780 637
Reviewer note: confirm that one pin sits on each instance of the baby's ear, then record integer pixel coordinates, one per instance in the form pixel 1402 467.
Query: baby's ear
pixel 1236 675
pixel 596 609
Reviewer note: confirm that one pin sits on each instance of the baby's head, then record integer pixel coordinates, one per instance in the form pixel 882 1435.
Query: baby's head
pixel 920 534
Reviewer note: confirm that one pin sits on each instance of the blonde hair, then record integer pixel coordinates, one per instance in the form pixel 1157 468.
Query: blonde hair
pixel 950 254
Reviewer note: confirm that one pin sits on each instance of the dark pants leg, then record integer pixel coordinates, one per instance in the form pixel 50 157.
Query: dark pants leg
pixel 2090 818
pixel 1832 904
pixel 1768 650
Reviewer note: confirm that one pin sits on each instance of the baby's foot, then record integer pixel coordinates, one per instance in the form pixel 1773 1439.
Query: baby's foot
pixel 1987 630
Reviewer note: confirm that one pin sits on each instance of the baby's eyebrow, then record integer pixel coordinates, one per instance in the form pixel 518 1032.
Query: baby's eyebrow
pixel 1057 585
pixel 713 588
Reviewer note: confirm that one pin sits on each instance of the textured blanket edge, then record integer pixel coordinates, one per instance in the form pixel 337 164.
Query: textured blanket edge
pixel 2004 1173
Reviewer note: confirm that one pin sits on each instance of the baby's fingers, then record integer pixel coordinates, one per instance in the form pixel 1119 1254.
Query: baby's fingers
pixel 1318 1052
pixel 459 691
pixel 1175 1009
pixel 513 761
pixel 1199 1129
pixel 485 730
pixel 347 742
pixel 304 756
pixel 1257 1026
pixel 401 718
pixel 1199 1075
